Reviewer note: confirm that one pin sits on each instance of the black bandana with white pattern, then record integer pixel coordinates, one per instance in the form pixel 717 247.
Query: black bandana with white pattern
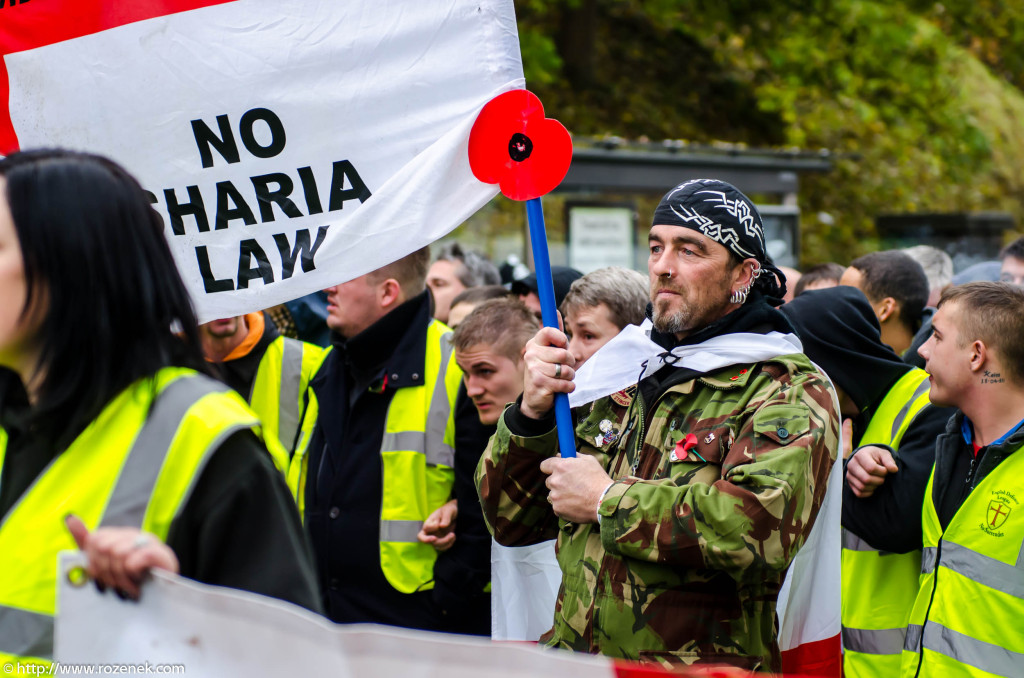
pixel 721 212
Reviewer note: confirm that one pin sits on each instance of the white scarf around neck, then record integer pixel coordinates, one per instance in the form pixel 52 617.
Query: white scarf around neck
pixel 617 364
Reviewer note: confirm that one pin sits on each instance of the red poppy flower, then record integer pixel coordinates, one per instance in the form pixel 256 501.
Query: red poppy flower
pixel 513 145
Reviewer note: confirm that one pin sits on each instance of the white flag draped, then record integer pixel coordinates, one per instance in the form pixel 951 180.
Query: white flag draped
pixel 809 601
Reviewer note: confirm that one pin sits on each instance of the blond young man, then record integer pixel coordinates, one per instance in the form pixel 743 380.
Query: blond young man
pixel 489 347
pixel 972 522
pixel 599 305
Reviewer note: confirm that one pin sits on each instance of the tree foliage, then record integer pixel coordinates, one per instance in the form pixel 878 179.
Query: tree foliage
pixel 919 101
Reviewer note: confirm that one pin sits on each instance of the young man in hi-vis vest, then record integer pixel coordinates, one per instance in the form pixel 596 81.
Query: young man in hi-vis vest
pixel 971 596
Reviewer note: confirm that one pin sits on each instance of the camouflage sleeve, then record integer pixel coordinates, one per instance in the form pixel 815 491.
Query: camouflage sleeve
pixel 753 512
pixel 511 487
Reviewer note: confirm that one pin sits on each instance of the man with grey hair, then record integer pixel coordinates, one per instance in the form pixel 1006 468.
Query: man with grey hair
pixel 456 269
pixel 599 305
pixel 938 268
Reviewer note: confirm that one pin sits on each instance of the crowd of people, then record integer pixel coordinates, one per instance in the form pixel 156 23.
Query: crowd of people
pixel 363 473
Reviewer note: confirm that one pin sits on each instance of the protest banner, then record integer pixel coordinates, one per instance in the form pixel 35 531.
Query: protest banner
pixel 181 627
pixel 287 145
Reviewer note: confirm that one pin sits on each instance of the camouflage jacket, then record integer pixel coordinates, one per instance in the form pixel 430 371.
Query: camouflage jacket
pixel 688 559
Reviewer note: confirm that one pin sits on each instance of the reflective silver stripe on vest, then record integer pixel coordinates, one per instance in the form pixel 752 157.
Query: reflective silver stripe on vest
pixel 430 442
pixel 913 641
pixel 984 570
pixel 404 440
pixel 928 555
pixel 971 651
pixel 400 530
pixel 852 542
pixel 291 381
pixel 131 495
pixel 439 454
pixel 26 634
pixel 921 389
pixel 874 641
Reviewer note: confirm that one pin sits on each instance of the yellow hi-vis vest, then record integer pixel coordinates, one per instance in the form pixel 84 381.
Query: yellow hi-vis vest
pixel 280 395
pixel 969 609
pixel 878 589
pixel 417 458
pixel 134 465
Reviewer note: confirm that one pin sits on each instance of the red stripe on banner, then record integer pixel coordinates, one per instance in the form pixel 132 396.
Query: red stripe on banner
pixel 627 669
pixel 818 658
pixel 26 24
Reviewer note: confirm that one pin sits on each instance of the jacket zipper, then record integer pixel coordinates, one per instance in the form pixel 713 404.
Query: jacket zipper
pixel 637 447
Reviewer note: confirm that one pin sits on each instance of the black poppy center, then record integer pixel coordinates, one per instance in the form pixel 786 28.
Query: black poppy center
pixel 519 147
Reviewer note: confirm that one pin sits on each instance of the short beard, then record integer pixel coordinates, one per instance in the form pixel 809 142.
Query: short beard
pixel 689 318
pixel 675 323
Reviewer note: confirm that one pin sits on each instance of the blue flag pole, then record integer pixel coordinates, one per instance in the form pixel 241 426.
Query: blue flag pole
pixel 549 316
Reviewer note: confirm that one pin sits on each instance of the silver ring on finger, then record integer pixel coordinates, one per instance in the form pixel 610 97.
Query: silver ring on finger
pixel 558 371
pixel 140 541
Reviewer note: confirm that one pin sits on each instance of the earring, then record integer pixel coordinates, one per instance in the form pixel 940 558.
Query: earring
pixel 740 295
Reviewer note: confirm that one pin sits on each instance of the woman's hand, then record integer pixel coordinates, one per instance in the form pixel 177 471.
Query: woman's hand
pixel 121 557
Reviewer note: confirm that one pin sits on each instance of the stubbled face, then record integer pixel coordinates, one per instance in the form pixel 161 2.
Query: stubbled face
pixel 947 363
pixel 353 306
pixel 444 286
pixel 221 328
pixel 17 329
pixel 589 328
pixel 1012 271
pixel 691 279
pixel 492 379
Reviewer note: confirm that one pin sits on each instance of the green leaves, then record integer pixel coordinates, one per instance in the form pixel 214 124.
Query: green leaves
pixel 921 100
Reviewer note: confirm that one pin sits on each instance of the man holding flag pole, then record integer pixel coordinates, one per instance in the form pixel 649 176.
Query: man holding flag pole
pixel 706 443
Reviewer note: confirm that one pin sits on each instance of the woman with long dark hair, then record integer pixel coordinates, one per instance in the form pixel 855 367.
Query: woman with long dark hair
pixel 106 417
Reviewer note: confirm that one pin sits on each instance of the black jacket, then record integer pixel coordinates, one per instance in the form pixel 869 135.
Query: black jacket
pixel 344 486
pixel 890 519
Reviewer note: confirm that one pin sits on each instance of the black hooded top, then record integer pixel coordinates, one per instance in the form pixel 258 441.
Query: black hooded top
pixel 840 333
